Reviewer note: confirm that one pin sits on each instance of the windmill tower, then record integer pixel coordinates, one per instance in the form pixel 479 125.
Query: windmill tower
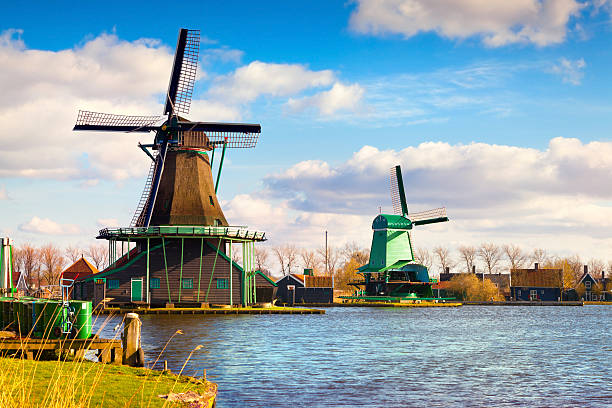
pixel 391 270
pixel 178 225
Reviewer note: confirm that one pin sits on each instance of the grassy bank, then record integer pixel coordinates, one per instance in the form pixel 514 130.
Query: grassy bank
pixel 83 384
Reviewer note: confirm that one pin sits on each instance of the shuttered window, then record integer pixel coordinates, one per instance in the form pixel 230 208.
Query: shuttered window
pixel 155 283
pixel 188 283
pixel 222 283
pixel 113 283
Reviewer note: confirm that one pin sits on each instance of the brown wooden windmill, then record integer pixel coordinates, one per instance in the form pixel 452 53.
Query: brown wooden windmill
pixel 183 250
pixel 179 189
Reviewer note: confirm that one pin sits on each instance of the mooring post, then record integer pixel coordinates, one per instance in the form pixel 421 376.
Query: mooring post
pixel 132 352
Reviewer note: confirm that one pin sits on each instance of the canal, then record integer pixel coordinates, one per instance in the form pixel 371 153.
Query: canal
pixel 472 356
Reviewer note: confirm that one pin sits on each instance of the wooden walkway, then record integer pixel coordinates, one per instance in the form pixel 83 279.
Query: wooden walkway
pixel 212 311
pixel 108 351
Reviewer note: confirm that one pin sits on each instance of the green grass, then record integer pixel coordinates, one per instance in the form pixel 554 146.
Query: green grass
pixel 28 383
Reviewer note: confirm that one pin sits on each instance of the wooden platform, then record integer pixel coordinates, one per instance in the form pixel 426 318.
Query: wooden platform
pixel 213 311
pixel 387 304
pixel 108 351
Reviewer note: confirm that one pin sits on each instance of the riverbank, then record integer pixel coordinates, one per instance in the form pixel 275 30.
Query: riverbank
pixel 453 304
pixel 212 310
pixel 26 383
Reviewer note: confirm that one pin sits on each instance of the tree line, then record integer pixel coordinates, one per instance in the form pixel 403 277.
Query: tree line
pixel 43 265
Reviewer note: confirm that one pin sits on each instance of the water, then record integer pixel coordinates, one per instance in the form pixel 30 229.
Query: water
pixel 473 356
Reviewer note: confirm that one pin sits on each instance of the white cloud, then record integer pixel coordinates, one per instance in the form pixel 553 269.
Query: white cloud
pixel 571 71
pixel 339 98
pixel 258 78
pixel 223 54
pixel 46 226
pixel 498 23
pixel 552 198
pixel 108 222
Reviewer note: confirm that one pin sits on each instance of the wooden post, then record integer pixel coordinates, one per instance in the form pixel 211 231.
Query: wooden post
pixel 132 352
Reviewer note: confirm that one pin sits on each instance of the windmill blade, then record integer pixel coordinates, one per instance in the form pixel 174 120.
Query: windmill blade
pixel 87 120
pixel 184 70
pixel 232 135
pixel 429 216
pixel 398 196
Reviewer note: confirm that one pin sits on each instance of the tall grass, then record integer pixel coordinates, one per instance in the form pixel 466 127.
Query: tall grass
pixel 69 381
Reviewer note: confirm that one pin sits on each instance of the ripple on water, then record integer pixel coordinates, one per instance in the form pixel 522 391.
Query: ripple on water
pixel 349 357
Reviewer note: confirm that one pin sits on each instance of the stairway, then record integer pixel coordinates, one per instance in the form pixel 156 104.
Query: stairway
pixel 144 198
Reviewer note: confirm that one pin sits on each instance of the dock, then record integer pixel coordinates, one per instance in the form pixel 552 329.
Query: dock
pixel 213 311
pixel 108 350
pixel 386 304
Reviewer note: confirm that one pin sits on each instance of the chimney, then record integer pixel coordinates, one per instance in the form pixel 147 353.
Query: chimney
pixel 447 269
pixel 535 266
pixel 586 268
pixel 474 269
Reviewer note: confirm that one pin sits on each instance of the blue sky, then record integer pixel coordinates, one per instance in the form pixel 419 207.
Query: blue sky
pixel 499 111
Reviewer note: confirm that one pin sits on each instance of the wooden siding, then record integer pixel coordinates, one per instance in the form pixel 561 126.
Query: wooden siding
pixel 191 270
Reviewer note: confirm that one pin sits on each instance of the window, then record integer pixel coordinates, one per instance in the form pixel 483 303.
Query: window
pixel 587 284
pixel 113 283
pixel 187 283
pixel 154 283
pixel 222 283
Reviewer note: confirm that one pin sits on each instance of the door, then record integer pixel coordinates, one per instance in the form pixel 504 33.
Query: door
pixel 136 290
pixel 99 291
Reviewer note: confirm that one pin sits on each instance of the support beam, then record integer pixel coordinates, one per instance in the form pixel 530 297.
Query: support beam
pixel 231 283
pixel 181 272
pixel 166 266
pixel 200 274
pixel 220 167
pixel 148 279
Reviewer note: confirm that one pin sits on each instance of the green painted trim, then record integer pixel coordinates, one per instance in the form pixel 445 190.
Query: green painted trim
pixel 107 273
pixel 410 244
pixel 148 269
pixel 231 286
pixel 166 266
pixel 220 166
pixel 181 272
pixel 213 268
pixel 10 266
pixel 2 261
pixel 402 193
pixel 266 277
pixel 200 274
pixel 226 258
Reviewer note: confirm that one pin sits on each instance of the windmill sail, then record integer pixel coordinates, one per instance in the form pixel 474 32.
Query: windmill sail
pixel 429 216
pixel 97 121
pixel 184 71
pixel 398 196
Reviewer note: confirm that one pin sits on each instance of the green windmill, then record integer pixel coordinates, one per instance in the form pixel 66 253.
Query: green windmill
pixel 391 270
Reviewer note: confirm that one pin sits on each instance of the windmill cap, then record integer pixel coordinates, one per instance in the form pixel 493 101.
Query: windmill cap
pixel 389 221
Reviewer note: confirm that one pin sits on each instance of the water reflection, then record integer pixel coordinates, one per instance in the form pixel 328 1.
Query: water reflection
pixel 470 356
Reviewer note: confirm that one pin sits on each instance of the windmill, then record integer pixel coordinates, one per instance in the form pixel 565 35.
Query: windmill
pixel 180 233
pixel 179 188
pixel 391 270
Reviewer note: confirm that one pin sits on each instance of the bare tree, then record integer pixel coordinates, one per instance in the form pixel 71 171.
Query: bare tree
pixel 352 251
pixel 73 253
pixel 331 261
pixel 516 256
pixel 30 264
pixel 539 256
pixel 309 259
pixel 490 254
pixel 261 260
pixel 98 254
pixel 422 256
pixel 468 255
pixel 52 261
pixel 287 256
pixel 595 267
pixel 444 258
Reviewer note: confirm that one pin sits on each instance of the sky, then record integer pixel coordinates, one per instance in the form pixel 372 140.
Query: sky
pixel 499 111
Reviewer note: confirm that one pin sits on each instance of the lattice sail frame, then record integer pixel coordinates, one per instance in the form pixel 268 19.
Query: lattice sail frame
pixel 238 140
pixel 189 70
pixel 428 215
pixel 395 194
pixel 109 119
